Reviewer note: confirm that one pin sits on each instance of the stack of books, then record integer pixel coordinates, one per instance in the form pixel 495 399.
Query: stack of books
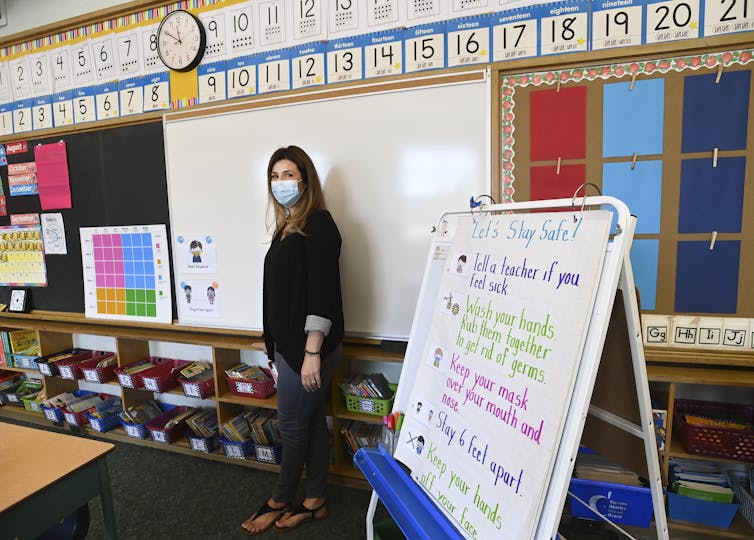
pixel 360 434
pixel 137 368
pixel 700 479
pixel 180 417
pixel 259 425
pixel 247 372
pixel 373 385
pixel 141 413
pixel 203 423
pixel 83 403
pixel 197 372
pixel 106 408
pixel 19 348
pixel 590 466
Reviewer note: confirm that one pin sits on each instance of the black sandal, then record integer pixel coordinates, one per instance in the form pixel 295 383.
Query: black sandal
pixel 303 510
pixel 263 510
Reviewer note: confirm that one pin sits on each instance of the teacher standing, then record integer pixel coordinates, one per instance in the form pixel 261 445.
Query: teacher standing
pixel 303 333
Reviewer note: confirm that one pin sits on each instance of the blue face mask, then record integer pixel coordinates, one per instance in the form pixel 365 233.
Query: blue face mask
pixel 286 192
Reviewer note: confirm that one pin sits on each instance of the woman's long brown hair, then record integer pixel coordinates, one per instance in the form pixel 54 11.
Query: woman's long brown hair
pixel 311 198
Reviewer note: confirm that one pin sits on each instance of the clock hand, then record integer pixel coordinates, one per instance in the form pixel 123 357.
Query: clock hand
pixel 172 36
pixel 179 36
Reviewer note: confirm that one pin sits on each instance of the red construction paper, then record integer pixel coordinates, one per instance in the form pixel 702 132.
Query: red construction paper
pixel 558 124
pixel 546 184
pixel 52 175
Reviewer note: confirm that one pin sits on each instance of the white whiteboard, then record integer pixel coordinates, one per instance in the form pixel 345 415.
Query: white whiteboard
pixel 390 162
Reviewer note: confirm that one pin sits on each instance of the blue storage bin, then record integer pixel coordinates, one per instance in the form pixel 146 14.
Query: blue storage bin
pixel 139 431
pixel 710 513
pixel 625 505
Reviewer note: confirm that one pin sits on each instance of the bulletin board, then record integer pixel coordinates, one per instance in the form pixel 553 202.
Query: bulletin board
pixel 669 136
pixel 117 177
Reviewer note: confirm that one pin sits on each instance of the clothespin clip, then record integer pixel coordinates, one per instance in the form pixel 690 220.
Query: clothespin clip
pixel 557 87
pixel 714 158
pixel 633 80
pixel 633 161
pixel 712 240
pixel 719 73
pixel 557 167
pixel 473 203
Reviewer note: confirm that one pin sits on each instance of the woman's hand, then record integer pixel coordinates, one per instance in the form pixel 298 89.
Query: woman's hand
pixel 310 372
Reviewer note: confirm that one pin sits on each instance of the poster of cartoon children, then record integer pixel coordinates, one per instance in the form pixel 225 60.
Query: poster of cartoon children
pixel 196 254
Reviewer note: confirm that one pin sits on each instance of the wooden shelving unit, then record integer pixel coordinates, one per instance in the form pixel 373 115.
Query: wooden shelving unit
pixel 132 344
pixel 671 368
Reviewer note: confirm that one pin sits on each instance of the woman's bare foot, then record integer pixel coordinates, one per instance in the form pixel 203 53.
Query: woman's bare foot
pixel 265 517
pixel 310 509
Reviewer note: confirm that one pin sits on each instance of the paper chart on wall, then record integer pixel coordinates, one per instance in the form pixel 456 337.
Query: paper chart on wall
pixel 499 363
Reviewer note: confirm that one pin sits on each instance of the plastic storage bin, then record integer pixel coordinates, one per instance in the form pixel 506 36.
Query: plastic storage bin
pixel 268 453
pixel 202 444
pixel 199 389
pixel 164 376
pixel 26 388
pixel 134 380
pixel 718 442
pixel 710 513
pixel 252 388
pixel 365 405
pixel 95 374
pixel 626 505
pixel 47 365
pixel 140 431
pixel 237 450
pixel 159 433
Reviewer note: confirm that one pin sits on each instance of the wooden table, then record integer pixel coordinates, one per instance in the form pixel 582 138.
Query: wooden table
pixel 46 476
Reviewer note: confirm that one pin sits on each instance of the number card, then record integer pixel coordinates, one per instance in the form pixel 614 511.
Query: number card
pixel 6 94
pixel 308 65
pixel 129 56
pixel 425 47
pixel 470 7
pixel 20 78
pixel 382 13
pixel 6 119
pixel 274 71
pixel 214 27
pixel 103 50
pixel 677 19
pixel 212 82
pixel 106 97
pixel 383 54
pixel 344 60
pixel 727 16
pixel 22 121
pixel 240 24
pixel 41 113
pixel 132 96
pixel 468 40
pixel 62 108
pixel 242 77
pixel 514 35
pixel 343 17
pixel 307 21
pixel 616 27
pixel 82 63
pixel 84 107
pixel 150 59
pixel 61 68
pixel 564 28
pixel 41 76
pixel 424 11
pixel 272 23
pixel 157 92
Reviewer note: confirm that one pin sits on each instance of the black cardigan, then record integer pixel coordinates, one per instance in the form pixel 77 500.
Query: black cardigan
pixel 302 277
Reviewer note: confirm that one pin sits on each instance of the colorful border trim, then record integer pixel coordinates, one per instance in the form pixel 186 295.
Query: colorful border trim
pixel 609 71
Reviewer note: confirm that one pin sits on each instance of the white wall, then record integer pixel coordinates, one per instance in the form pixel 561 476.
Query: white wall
pixel 23 15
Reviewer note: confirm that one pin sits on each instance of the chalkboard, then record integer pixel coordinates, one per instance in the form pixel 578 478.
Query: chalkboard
pixel 390 161
pixel 117 177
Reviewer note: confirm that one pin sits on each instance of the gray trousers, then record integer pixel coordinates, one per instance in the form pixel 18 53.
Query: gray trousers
pixel 303 429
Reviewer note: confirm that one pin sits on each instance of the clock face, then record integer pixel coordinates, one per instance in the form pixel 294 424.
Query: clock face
pixel 17 298
pixel 181 40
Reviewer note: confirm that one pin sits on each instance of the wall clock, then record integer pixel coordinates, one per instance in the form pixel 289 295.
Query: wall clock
pixel 181 40
pixel 19 301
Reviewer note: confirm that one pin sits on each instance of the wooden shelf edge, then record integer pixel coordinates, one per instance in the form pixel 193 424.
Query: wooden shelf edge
pixel 706 375
pixel 739 528
pixel 703 357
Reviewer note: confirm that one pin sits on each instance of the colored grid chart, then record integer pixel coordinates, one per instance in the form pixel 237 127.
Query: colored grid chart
pixel 126 273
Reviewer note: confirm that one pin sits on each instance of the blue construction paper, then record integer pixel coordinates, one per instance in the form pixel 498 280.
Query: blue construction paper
pixel 711 197
pixel 707 280
pixel 640 189
pixel 644 255
pixel 715 115
pixel 632 120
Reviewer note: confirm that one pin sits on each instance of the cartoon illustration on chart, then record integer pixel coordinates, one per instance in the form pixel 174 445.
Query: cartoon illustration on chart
pixel 451 302
pixel 200 298
pixel 461 264
pixel 196 253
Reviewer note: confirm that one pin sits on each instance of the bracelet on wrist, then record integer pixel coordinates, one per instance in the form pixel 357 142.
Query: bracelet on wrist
pixel 310 353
